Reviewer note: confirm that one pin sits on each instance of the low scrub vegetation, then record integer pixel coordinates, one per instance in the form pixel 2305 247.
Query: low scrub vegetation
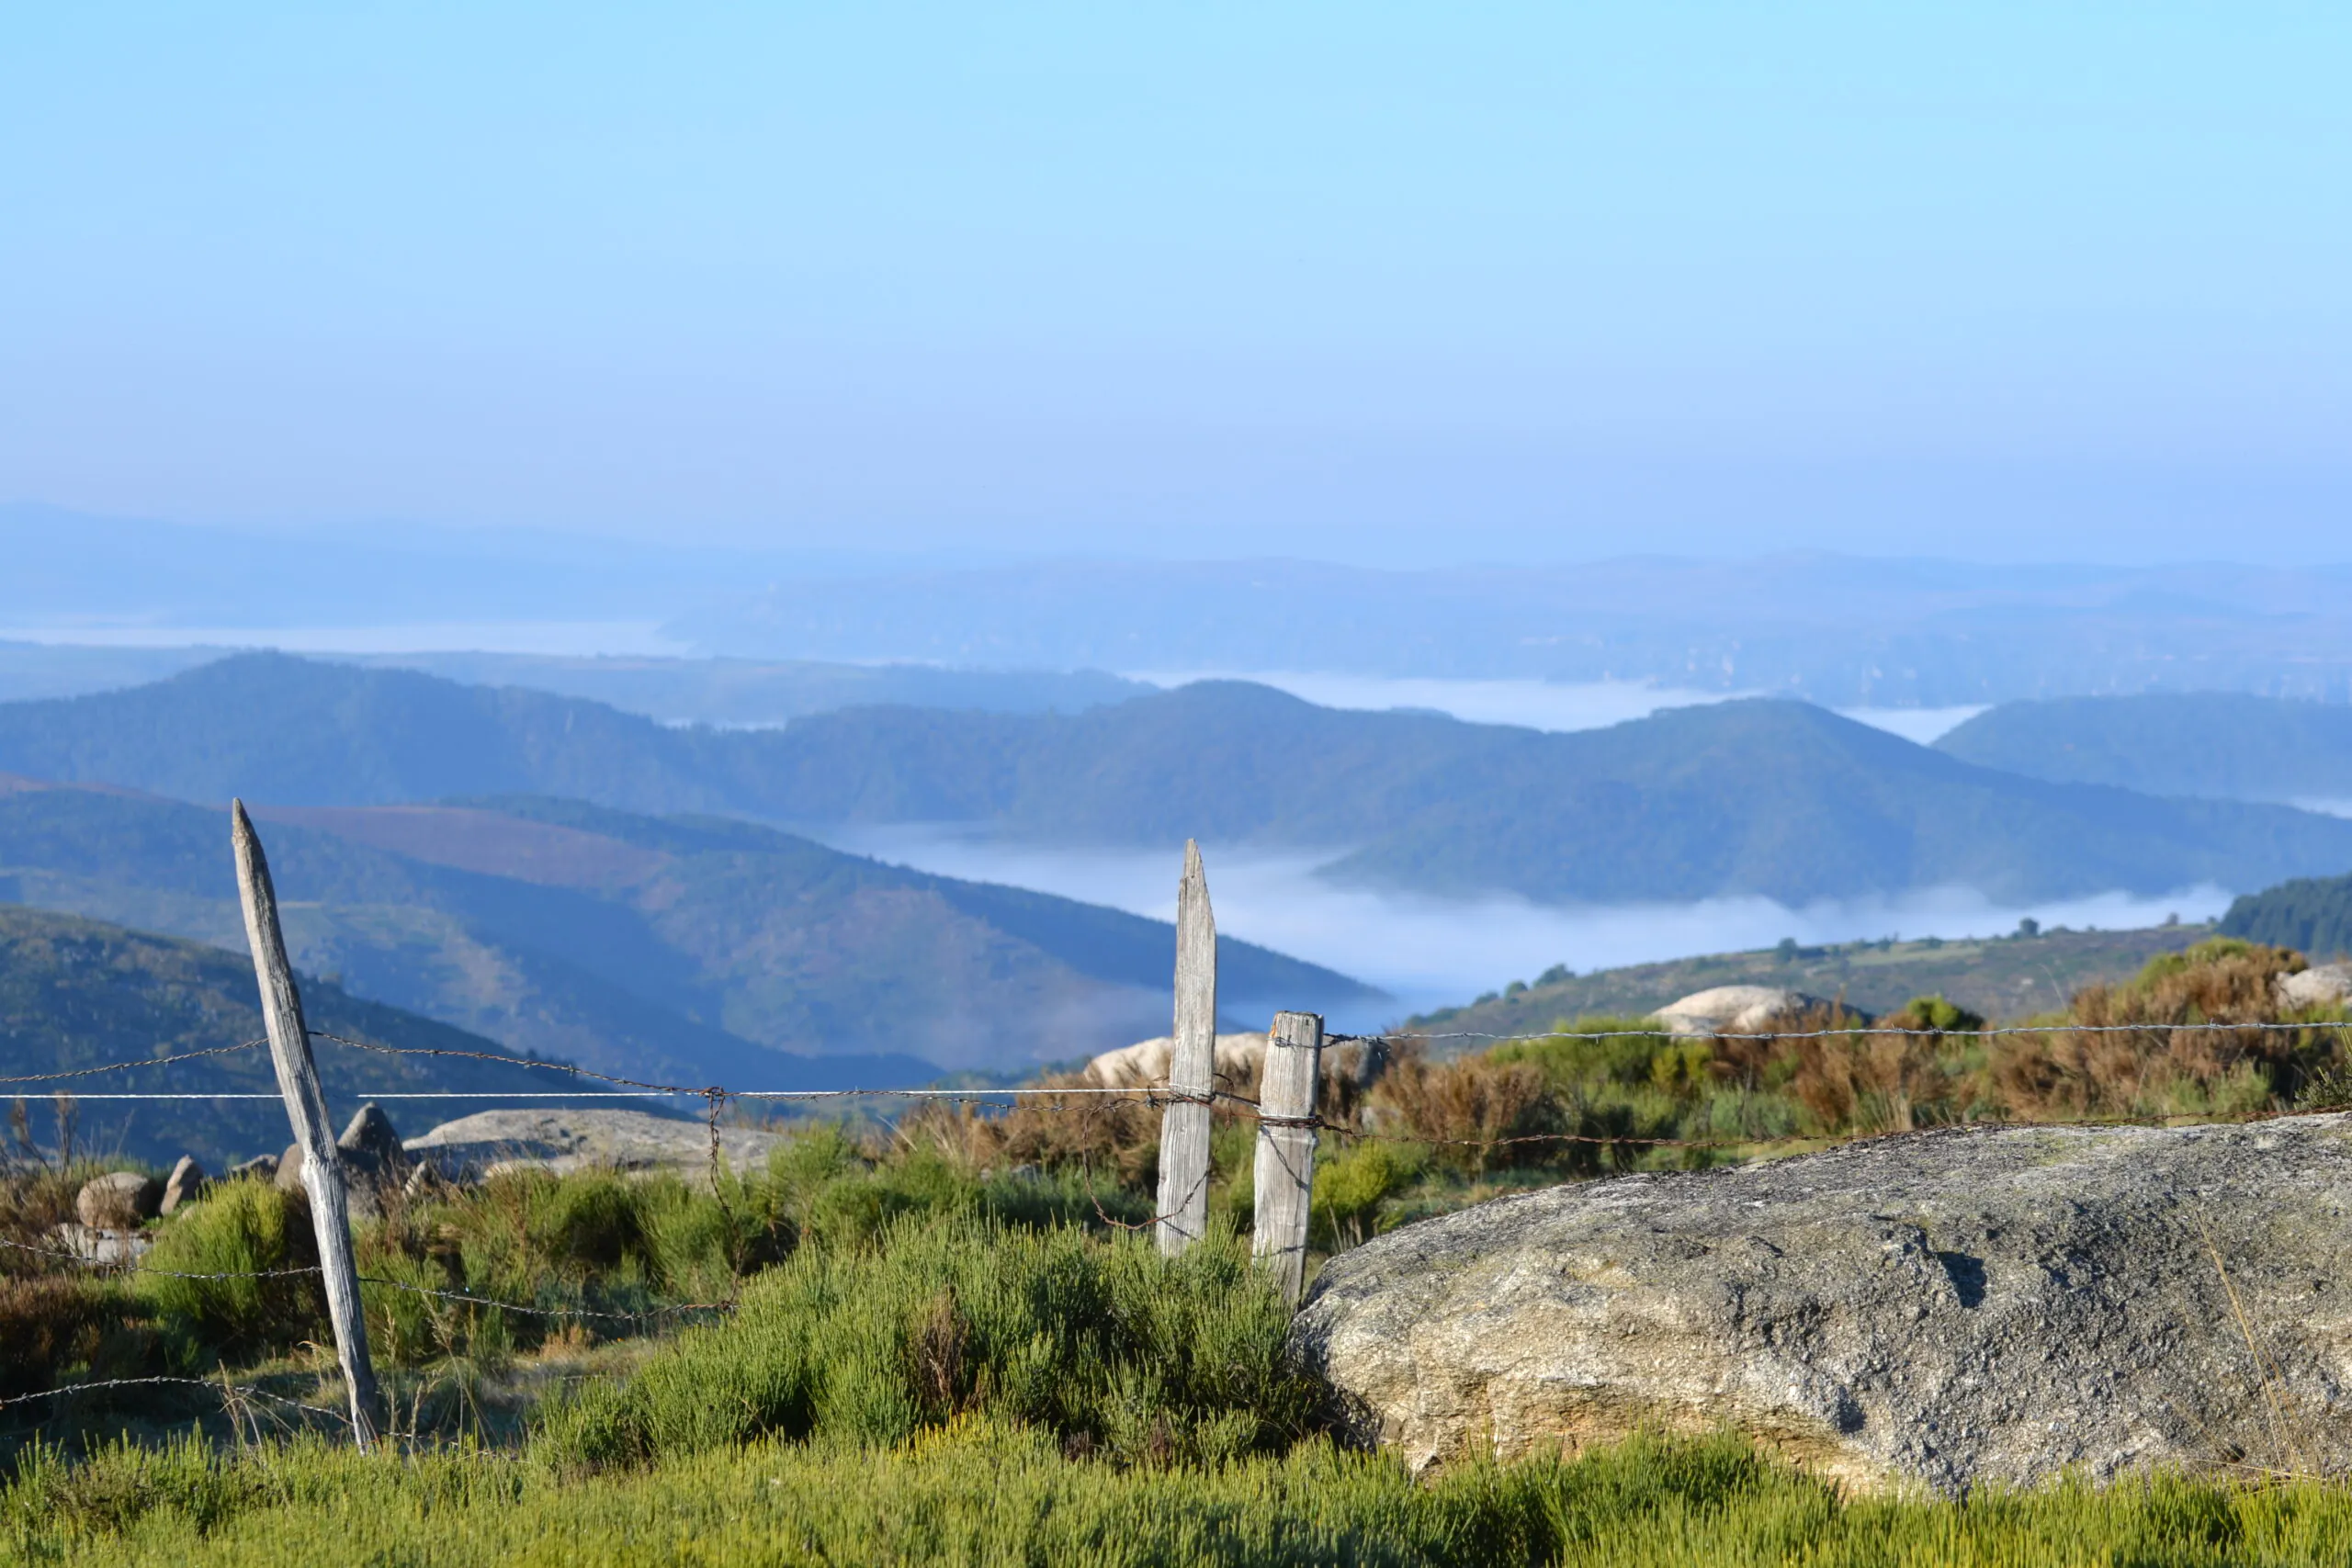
pixel 981 1490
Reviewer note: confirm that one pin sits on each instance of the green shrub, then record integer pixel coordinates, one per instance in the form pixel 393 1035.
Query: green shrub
pixel 1109 1347
pixel 1351 1186
pixel 241 1229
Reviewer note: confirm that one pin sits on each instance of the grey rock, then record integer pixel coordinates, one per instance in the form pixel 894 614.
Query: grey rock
pixel 185 1185
pixel 564 1141
pixel 371 1149
pixel 1953 1308
pixel 2324 986
pixel 1738 1009
pixel 288 1176
pixel 118 1200
pixel 261 1167
pixel 101 1245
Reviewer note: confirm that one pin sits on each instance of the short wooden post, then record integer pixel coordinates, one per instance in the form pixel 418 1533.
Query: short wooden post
pixel 1286 1167
pixel 1183 1204
pixel 306 1108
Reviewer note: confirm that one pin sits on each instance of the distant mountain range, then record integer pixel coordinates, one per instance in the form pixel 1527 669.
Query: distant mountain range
pixel 1756 797
pixel 725 691
pixel 1838 630
pixel 2225 744
pixel 77 993
pixel 683 950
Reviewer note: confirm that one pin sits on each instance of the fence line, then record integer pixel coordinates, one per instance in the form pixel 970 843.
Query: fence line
pixel 1288 1122
pixel 643 1089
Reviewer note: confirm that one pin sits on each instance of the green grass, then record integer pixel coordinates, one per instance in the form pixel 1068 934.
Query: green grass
pixel 982 1491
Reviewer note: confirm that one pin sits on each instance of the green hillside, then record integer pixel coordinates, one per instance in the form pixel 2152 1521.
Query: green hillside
pixel 77 993
pixel 2311 915
pixel 1999 977
pixel 1770 797
pixel 2224 744
pixel 686 950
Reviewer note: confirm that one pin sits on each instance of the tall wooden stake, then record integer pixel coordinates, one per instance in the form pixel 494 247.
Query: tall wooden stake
pixel 1192 1067
pixel 306 1108
pixel 1286 1167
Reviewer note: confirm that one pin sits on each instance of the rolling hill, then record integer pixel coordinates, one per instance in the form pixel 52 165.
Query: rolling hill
pixel 686 950
pixel 2002 979
pixel 1756 797
pixel 2224 744
pixel 77 993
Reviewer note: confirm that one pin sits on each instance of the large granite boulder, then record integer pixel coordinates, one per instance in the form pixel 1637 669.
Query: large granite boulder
pixel 564 1141
pixel 1954 1308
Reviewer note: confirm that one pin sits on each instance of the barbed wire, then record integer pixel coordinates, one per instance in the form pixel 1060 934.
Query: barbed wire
pixel 1857 1027
pixel 639 1088
pixel 142 1062
pixel 224 1389
pixel 132 1266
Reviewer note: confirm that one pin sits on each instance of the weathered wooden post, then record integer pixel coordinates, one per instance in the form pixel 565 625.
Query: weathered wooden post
pixel 1192 1067
pixel 306 1108
pixel 1286 1167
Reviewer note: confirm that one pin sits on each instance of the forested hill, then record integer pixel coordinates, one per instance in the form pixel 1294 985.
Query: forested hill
pixel 2311 915
pixel 1772 798
pixel 2223 744
pixel 77 993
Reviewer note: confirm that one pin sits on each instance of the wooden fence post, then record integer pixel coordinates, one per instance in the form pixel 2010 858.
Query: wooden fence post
pixel 1286 1167
pixel 1183 1203
pixel 306 1108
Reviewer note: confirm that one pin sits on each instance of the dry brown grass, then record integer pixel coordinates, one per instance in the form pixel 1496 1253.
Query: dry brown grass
pixel 2209 1066
pixel 1884 1079
pixel 1466 1109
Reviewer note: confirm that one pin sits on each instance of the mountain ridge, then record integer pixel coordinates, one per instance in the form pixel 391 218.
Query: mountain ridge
pixel 1755 796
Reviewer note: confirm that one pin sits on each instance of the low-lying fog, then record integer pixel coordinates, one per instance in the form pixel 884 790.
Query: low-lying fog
pixel 1429 953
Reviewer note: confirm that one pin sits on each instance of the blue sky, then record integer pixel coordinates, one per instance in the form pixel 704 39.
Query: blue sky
pixel 1375 283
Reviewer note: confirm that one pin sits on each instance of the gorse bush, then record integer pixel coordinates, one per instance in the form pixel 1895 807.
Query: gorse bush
pixel 253 1234
pixel 1111 1347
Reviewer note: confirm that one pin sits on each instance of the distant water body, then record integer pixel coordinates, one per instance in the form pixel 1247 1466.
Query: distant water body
pixel 1431 952
pixel 1537 705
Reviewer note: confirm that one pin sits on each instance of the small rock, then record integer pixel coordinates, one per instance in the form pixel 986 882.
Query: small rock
pixel 120 1200
pixel 425 1180
pixel 289 1175
pixel 261 1168
pixel 185 1184
pixel 2326 986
